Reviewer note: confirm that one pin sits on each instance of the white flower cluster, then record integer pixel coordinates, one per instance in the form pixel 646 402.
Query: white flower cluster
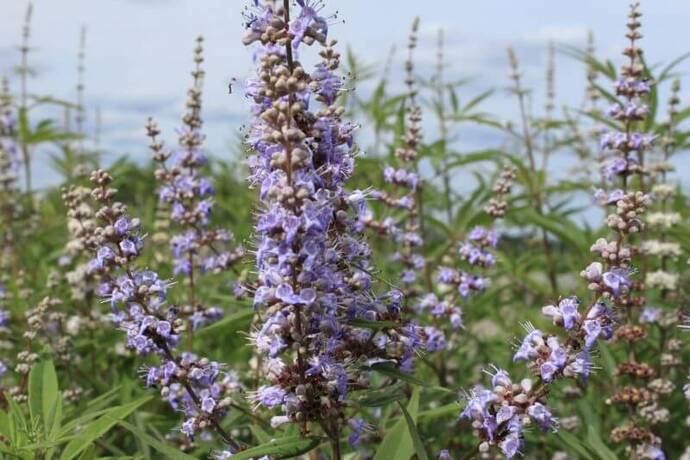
pixel 661 279
pixel 663 220
pixel 663 191
pixel 661 248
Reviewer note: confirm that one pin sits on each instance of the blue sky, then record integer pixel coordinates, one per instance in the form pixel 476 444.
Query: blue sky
pixel 139 51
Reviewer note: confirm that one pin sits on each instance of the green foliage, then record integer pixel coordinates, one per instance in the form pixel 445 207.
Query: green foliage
pixel 411 415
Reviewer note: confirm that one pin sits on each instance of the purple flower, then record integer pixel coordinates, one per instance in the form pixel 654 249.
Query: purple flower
pixel 530 345
pixel 566 314
pixel 444 454
pixel 617 280
pixel 358 426
pixel 208 404
pixel 542 416
pixel 128 247
pixel 650 315
pixel 511 445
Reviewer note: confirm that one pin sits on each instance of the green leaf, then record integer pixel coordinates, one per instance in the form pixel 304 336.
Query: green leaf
pixel 390 370
pixel 230 324
pixel 559 226
pixel 414 434
pixel 167 450
pixel 379 397
pixel 44 397
pixel 99 427
pixel 448 409
pixel 666 71
pixel 572 442
pixel 287 447
pixel 17 423
pixel 473 157
pixel 260 434
pixel 477 100
pixel 398 444
pixel 598 446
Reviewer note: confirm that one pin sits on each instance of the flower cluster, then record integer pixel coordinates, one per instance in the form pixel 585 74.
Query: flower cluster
pixel 138 301
pixel 500 414
pixel 406 230
pixel 476 249
pixel 197 248
pixel 9 169
pixel 568 355
pixel 477 253
pixel 640 386
pixel 314 275
pixel 4 320
pixel 80 219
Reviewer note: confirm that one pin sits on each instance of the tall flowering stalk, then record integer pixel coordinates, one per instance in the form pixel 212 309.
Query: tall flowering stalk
pixel 24 72
pixel 407 231
pixel 500 414
pixel 4 320
pixel 406 175
pixel 662 220
pixel 585 142
pixel 636 392
pixel 456 286
pixel 404 223
pixel 9 169
pixel 314 281
pixel 197 247
pixel 533 186
pixel 196 386
pixel 651 364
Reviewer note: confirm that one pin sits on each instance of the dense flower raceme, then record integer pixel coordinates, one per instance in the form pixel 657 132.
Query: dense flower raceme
pixel 455 285
pixel 640 386
pixel 4 320
pixel 499 415
pixel 199 388
pixel 314 277
pixel 10 154
pixel 197 248
pixel 404 175
pixel 9 167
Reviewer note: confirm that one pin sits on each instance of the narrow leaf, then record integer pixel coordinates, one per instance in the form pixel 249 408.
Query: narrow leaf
pixel 99 427
pixel 398 444
pixel 287 447
pixel 414 434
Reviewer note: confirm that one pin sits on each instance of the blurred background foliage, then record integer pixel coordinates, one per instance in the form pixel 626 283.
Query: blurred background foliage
pixel 546 205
